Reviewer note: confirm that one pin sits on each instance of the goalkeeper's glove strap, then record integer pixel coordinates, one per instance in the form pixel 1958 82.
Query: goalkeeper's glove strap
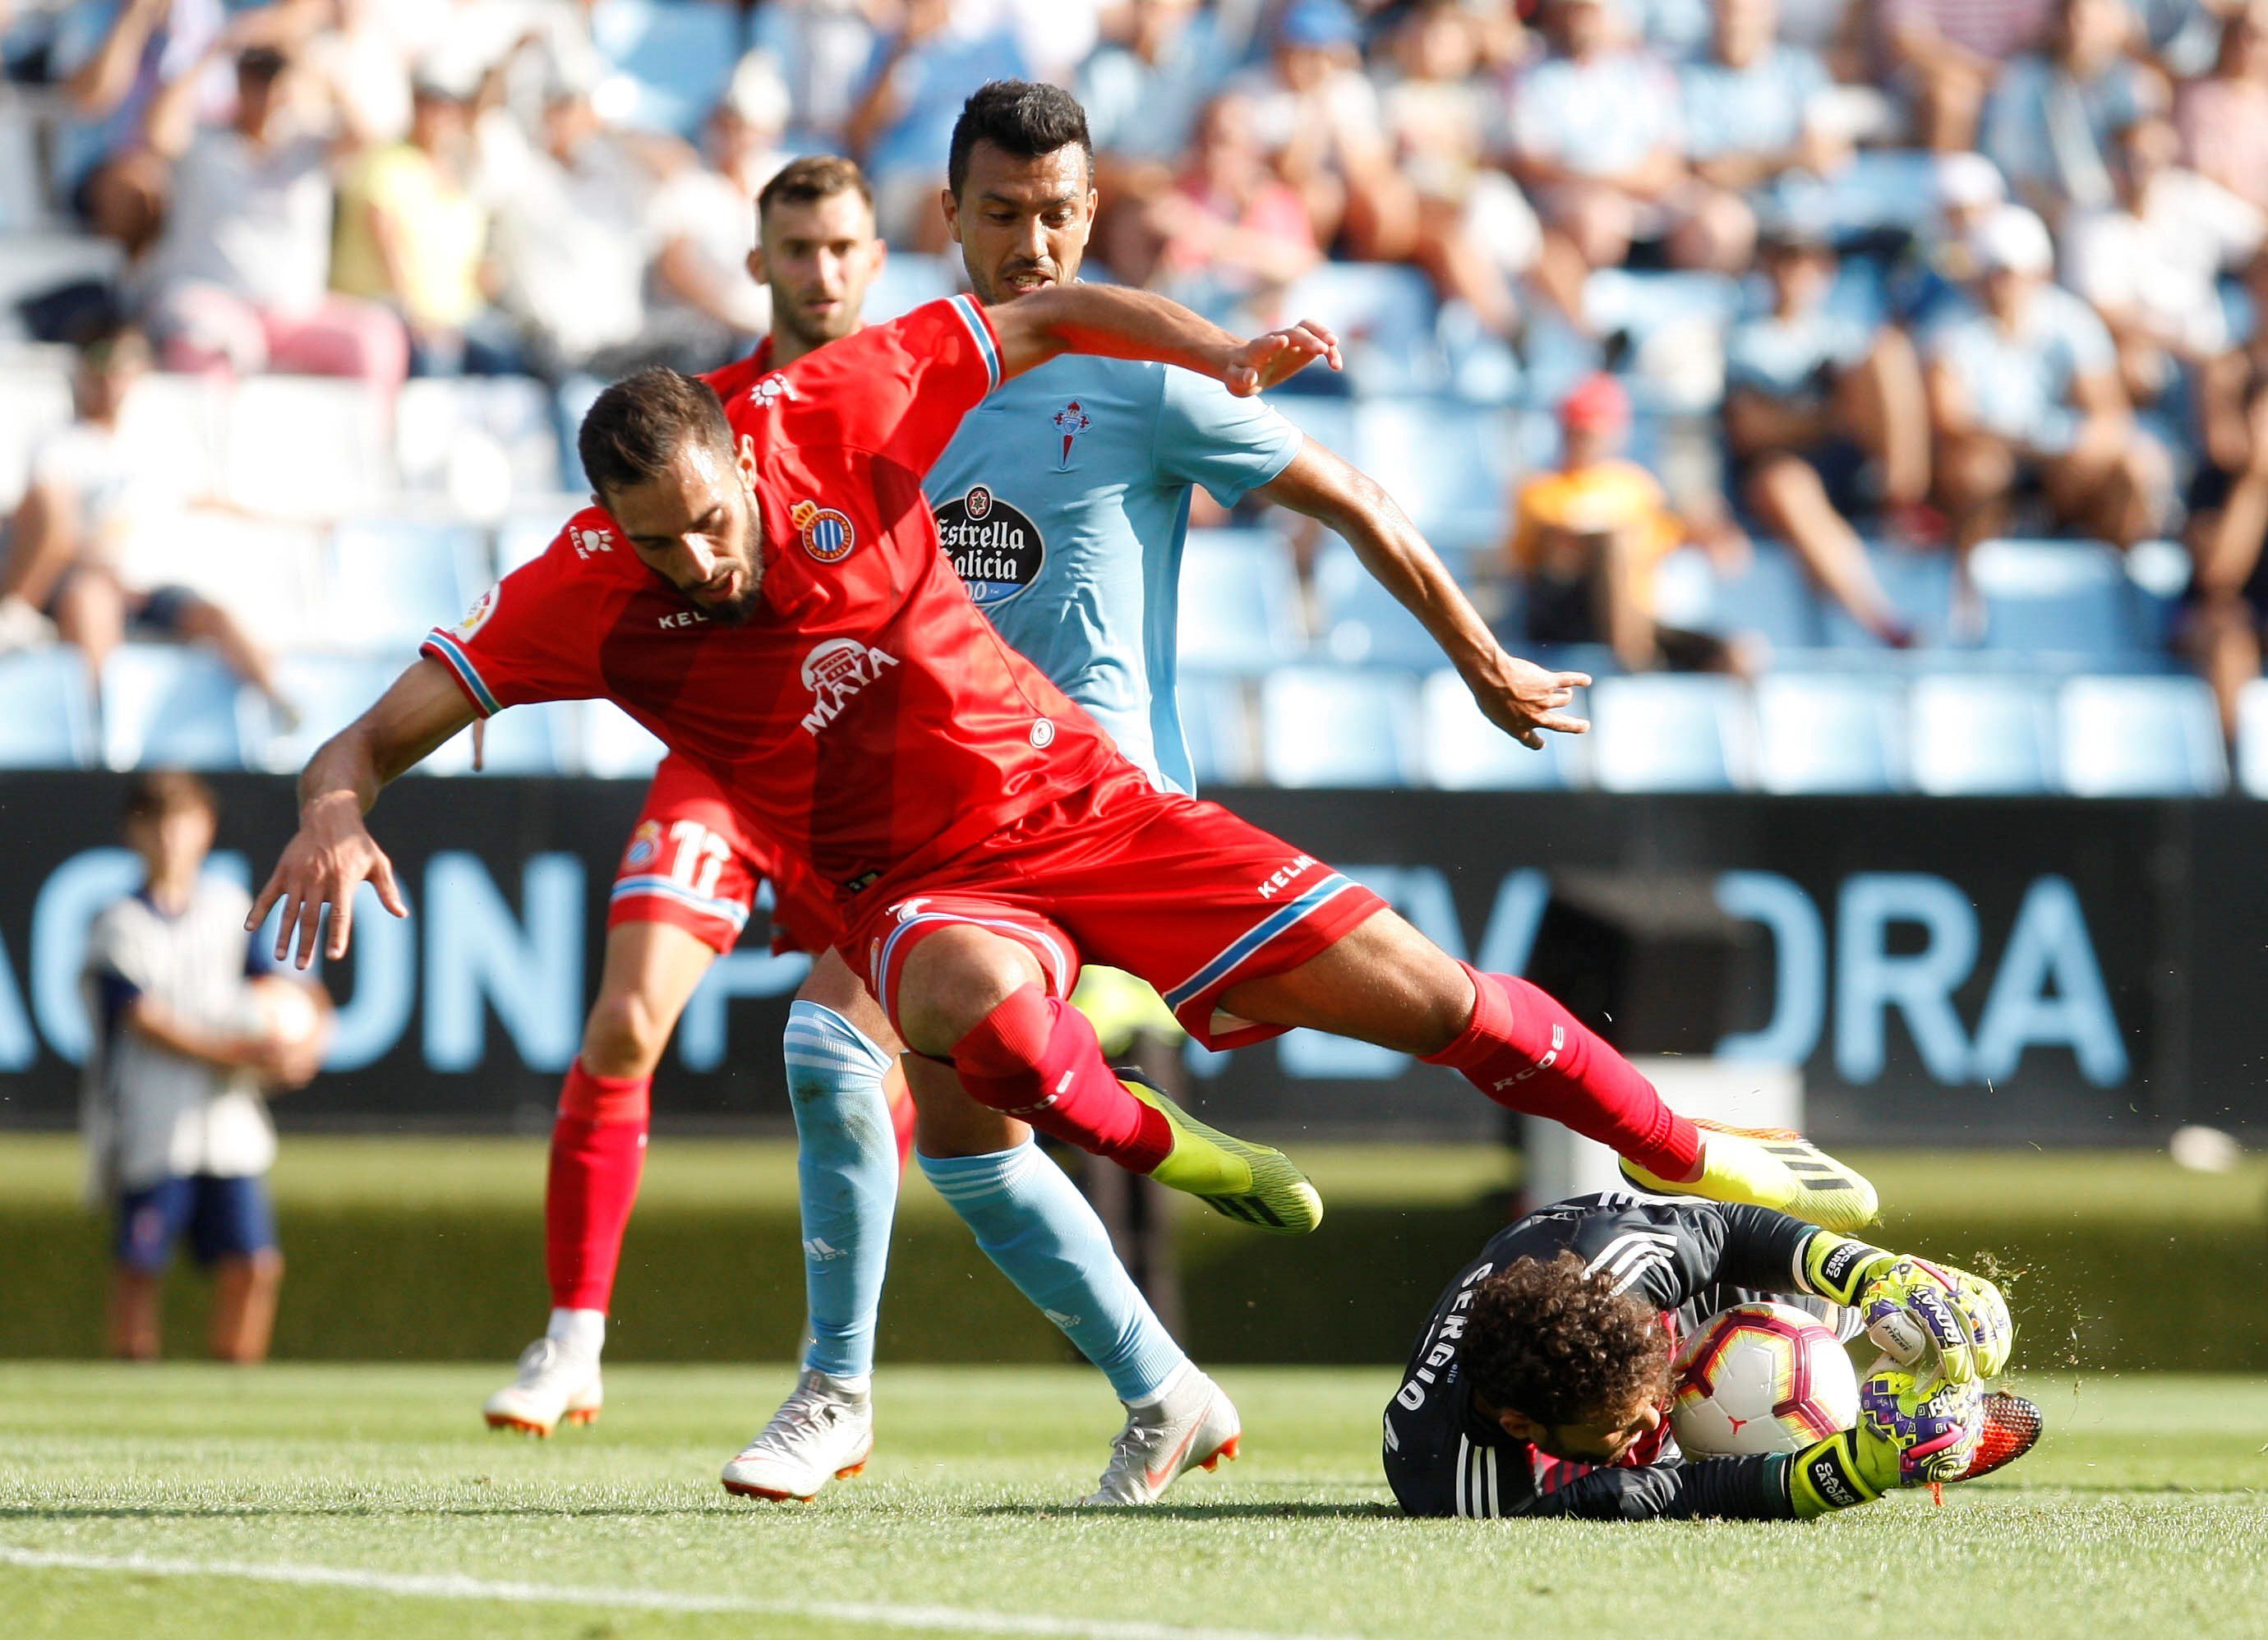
pixel 1833 1475
pixel 1837 1268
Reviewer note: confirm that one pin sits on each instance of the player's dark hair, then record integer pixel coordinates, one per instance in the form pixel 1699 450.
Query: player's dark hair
pixel 158 792
pixel 1020 117
pixel 634 428
pixel 1562 1347
pixel 808 181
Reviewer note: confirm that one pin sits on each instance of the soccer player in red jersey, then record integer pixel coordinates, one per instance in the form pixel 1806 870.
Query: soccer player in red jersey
pixel 763 590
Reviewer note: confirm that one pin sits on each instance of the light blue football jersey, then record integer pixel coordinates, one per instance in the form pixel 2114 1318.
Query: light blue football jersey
pixel 1063 502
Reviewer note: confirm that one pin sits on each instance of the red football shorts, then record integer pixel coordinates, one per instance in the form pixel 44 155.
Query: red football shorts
pixel 1182 893
pixel 695 864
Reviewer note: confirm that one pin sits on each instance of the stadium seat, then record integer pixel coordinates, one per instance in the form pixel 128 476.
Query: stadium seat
pixel 1768 598
pixel 1217 723
pixel 1363 623
pixel 522 537
pixel 539 740
pixel 616 746
pixel 1384 315
pixel 1240 602
pixel 1328 421
pixel 1667 731
pixel 1829 733
pixel 2068 597
pixel 1983 735
pixel 908 279
pixel 46 716
pixel 1877 189
pixel 392 579
pixel 264 572
pixel 168 705
pixel 34 404
pixel 483 442
pixel 330 691
pixel 1449 464
pixel 23 191
pixel 2252 738
pixel 1339 728
pixel 2141 737
pixel 306 447
pixel 678 59
pixel 1465 752
pixel 176 425
pixel 1920 585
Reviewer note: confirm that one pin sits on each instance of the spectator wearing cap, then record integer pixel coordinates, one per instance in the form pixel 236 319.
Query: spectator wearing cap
pixel 710 304
pixel 2223 117
pixel 240 280
pixel 920 76
pixel 1753 110
pixel 2151 261
pixel 2228 508
pixel 2052 119
pixel 1933 287
pixel 1588 538
pixel 1596 139
pixel 1316 113
pixel 1828 421
pixel 1950 53
pixel 2025 396
pixel 412 233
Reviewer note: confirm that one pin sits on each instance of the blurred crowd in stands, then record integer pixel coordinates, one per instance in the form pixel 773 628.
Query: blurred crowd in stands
pixel 1742 337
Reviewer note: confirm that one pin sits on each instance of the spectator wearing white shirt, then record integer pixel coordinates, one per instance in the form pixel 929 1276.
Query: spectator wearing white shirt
pixel 710 305
pixel 1752 112
pixel 178 1134
pixel 2052 117
pixel 2025 395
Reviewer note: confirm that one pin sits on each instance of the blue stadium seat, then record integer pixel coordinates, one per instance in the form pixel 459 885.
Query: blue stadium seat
pixel 1328 421
pixel 34 404
pixel 47 716
pixel 680 58
pixel 1983 735
pixel 1614 299
pixel 165 705
pixel 1240 602
pixel 616 746
pixel 392 579
pixel 1830 732
pixel 1339 728
pixel 2141 737
pixel 307 447
pixel 1667 731
pixel 522 536
pixel 1465 752
pixel 1770 597
pixel 1217 723
pixel 2068 597
pixel 331 691
pixel 475 433
pixel 1451 465
pixel 1384 314
pixel 539 740
pixel 908 279
pixel 2252 738
pixel 1920 585
pixel 1364 624
pixel 1879 188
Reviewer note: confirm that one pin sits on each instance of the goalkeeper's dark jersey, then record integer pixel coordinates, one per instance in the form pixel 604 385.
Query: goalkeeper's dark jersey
pixel 1689 1258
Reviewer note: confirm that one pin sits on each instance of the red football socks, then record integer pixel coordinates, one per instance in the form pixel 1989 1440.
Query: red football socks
pixel 598 1153
pixel 1525 1051
pixel 1036 1059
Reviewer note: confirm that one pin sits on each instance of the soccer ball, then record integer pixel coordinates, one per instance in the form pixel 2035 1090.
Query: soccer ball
pixel 1761 1377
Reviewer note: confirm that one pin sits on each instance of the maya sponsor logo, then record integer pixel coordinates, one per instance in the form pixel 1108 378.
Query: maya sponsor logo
pixel 834 672
pixel 994 546
pixel 825 533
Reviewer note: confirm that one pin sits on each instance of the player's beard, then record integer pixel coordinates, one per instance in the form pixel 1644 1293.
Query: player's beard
pixel 741 606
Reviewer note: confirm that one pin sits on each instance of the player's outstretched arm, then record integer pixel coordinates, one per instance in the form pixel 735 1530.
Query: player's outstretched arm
pixel 333 853
pixel 1120 323
pixel 1518 697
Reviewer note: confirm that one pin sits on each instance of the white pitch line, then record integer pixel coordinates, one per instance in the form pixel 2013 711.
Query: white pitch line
pixel 453 1586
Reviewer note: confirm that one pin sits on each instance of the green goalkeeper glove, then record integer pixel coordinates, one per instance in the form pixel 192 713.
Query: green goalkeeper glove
pixel 1911 1432
pixel 1914 1310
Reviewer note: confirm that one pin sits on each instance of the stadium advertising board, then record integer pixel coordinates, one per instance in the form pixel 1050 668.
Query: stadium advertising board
pixel 1943 971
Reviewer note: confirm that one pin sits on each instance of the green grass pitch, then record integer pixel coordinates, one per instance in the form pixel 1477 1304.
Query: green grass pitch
pixel 339 1500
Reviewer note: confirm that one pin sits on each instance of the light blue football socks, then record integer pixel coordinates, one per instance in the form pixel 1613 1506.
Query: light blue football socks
pixel 1031 1221
pixel 847 1171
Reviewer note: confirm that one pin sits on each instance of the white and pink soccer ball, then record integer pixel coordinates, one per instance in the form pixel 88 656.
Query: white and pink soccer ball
pixel 1761 1377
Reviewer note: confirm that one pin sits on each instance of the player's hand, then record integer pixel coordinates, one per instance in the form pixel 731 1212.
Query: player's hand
pixel 1524 699
pixel 1911 1431
pixel 1277 356
pixel 328 857
pixel 1923 1315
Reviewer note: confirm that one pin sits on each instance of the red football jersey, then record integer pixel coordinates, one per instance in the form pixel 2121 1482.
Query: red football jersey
pixel 867 715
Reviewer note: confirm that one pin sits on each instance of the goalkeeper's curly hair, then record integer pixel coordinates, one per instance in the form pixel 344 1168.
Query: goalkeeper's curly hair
pixel 1562 1346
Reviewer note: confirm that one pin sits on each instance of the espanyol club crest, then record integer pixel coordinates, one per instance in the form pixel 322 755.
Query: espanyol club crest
pixel 826 536
pixel 645 846
pixel 994 545
pixel 1071 421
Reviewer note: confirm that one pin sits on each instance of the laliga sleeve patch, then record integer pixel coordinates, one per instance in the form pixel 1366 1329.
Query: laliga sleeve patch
pixel 477 616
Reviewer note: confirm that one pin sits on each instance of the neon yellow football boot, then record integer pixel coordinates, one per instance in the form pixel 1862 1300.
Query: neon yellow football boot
pixel 1771 1167
pixel 1254 1184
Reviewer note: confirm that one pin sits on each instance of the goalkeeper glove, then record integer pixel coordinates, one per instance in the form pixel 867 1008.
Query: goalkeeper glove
pixel 1912 1307
pixel 1911 1432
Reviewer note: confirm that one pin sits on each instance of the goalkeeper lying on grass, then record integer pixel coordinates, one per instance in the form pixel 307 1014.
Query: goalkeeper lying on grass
pixel 1540 1382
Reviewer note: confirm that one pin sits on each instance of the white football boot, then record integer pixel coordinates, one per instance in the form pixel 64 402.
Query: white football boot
pixel 822 1432
pixel 556 1385
pixel 1194 1426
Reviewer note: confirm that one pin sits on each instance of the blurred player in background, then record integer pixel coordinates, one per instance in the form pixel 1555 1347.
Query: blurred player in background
pixel 186 1032
pixel 1540 1384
